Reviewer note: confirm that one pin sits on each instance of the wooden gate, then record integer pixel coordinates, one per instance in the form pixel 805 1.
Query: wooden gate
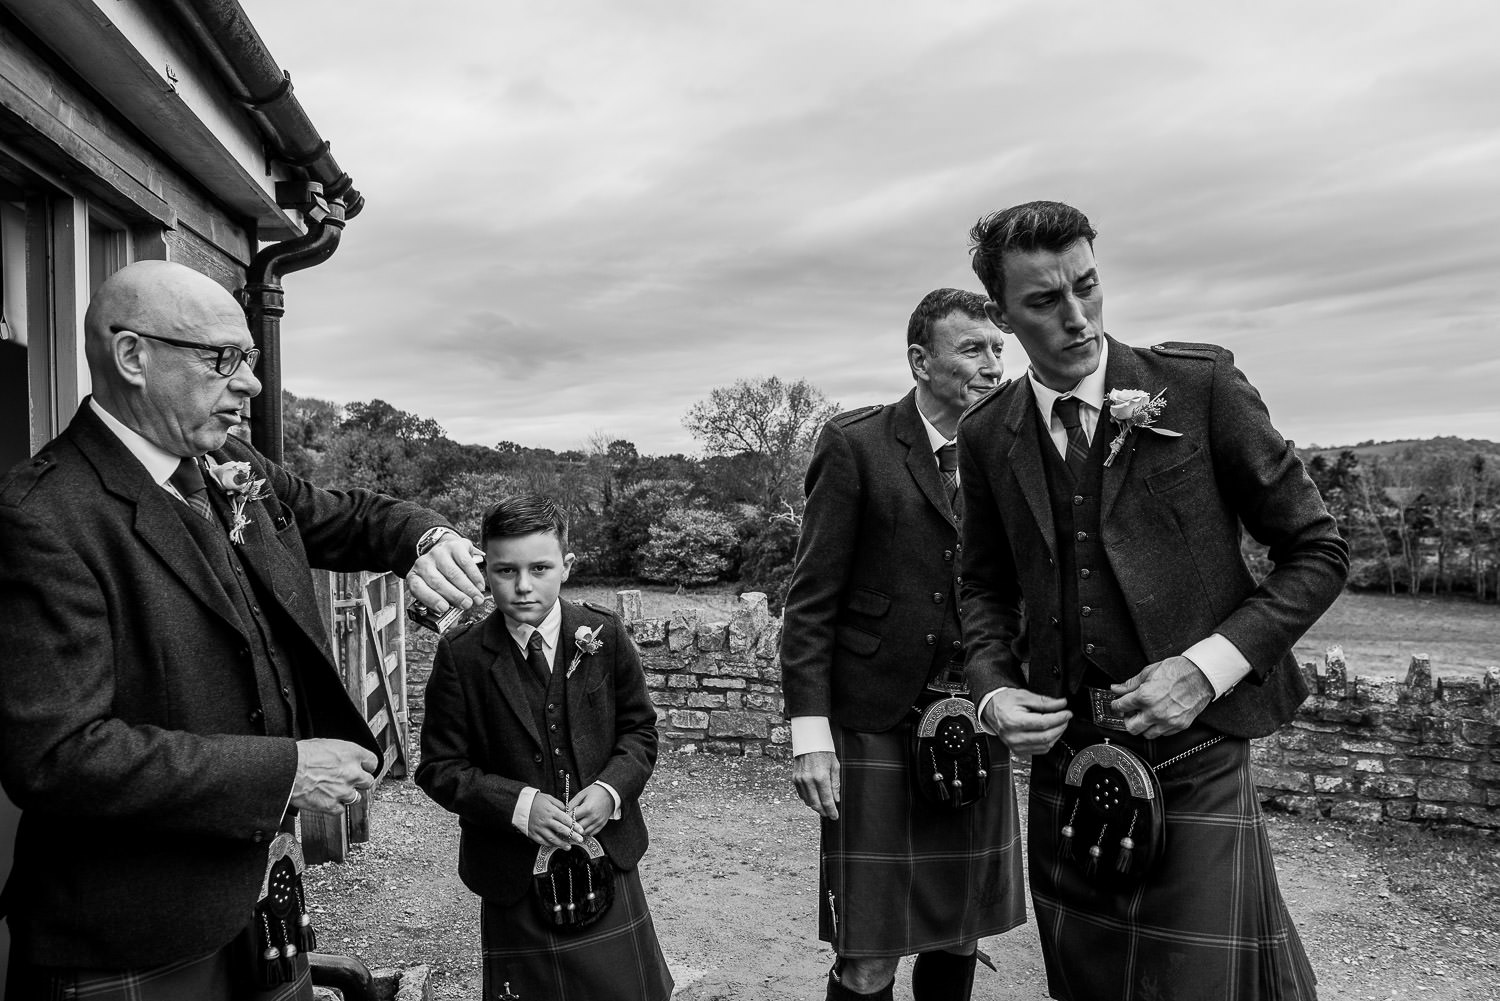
pixel 364 612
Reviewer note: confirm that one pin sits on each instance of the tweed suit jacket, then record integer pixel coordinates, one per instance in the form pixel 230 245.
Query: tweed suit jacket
pixel 872 604
pixel 1171 510
pixel 129 724
pixel 480 746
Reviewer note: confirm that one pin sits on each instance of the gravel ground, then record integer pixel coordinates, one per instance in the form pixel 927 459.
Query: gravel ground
pixel 1386 912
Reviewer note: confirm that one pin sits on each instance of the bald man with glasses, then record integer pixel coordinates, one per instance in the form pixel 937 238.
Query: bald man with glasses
pixel 168 699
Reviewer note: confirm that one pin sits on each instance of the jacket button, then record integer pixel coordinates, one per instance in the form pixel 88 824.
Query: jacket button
pixel 1077 500
pixel 958 644
pixel 1084 573
pixel 947 555
pixel 937 597
pixel 258 837
pixel 1082 536
pixel 1088 648
pixel 552 707
pixel 1052 621
pixel 1085 611
pixel 1056 671
pixel 931 639
pixel 257 716
pixel 553 728
pixel 537 757
pixel 286 692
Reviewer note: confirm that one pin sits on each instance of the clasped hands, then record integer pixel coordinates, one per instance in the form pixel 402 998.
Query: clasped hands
pixel 1163 699
pixel 558 825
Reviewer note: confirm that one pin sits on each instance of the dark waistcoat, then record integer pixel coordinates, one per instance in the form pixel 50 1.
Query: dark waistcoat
pixel 549 702
pixel 1099 643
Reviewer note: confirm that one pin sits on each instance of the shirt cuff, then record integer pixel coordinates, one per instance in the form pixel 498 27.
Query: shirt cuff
pixel 979 710
pixel 811 733
pixel 612 795
pixel 1220 661
pixel 520 819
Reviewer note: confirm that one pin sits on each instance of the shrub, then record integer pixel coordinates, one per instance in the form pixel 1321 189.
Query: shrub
pixel 688 546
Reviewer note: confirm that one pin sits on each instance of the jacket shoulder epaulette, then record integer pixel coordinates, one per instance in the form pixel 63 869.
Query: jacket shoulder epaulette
pixel 849 417
pixel 986 398
pixel 1188 349
pixel 17 484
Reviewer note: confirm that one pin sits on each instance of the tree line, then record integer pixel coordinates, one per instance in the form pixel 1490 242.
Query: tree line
pixel 1420 517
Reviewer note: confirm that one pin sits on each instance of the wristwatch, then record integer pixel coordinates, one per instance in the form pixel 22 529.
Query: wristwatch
pixel 430 538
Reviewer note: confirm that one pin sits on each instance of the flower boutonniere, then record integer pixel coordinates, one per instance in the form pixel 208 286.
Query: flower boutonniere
pixel 586 641
pixel 1131 409
pixel 242 487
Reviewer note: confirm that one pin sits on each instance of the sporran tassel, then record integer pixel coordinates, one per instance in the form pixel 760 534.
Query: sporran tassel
pixel 1094 852
pixel 1127 846
pixel 1065 847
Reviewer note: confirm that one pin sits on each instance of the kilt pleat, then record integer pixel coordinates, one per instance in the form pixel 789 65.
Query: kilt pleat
pixel 899 876
pixel 618 957
pixel 1208 922
pixel 202 978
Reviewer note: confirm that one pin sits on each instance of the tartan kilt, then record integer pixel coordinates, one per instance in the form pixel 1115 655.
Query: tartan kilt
pixel 899 876
pixel 1208 922
pixel 204 978
pixel 617 957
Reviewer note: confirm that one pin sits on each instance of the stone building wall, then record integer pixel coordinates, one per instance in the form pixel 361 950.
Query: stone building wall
pixel 1419 749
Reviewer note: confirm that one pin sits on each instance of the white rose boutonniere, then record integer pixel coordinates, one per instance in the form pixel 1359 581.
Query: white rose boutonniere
pixel 242 487
pixel 1134 408
pixel 587 642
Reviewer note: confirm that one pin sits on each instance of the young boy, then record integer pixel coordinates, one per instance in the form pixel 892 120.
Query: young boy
pixel 539 733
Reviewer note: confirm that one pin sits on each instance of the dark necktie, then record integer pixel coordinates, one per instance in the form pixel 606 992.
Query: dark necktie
pixel 1067 411
pixel 947 458
pixel 536 659
pixel 188 481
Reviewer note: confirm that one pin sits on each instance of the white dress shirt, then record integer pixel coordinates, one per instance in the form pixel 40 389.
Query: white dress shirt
pixel 550 630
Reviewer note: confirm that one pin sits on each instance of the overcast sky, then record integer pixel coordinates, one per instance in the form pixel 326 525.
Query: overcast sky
pixel 583 216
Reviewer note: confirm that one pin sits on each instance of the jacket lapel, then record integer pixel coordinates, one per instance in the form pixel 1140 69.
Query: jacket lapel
pixel 577 685
pixel 159 527
pixel 1123 372
pixel 1024 460
pixel 919 458
pixel 498 643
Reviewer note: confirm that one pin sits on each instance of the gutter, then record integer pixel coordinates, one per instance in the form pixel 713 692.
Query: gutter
pixel 327 199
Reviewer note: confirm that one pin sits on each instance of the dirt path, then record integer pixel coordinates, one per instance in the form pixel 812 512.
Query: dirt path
pixel 1385 913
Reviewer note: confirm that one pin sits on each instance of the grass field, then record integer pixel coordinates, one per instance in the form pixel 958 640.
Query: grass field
pixel 1379 633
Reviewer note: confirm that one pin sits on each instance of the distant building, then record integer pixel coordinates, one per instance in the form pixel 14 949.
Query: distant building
pixel 143 129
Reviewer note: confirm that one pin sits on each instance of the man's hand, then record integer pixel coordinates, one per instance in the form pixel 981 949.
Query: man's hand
pixel 331 774
pixel 1163 699
pixel 592 808
pixel 446 575
pixel 550 825
pixel 1028 723
pixel 816 776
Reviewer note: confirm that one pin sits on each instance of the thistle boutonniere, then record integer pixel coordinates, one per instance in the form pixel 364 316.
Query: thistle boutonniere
pixel 1131 409
pixel 586 641
pixel 242 487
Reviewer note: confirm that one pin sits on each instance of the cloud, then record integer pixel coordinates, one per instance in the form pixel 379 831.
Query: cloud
pixel 587 216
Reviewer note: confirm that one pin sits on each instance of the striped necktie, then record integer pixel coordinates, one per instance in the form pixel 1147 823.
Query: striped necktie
pixel 188 481
pixel 947 457
pixel 1067 411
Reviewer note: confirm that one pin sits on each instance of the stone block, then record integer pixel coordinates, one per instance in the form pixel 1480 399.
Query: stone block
pixel 1446 791
pixel 1328 783
pixel 738 723
pixel 1452 769
pixel 724 683
pixel 734 700
pixel 415 984
pixel 1399 809
pixel 683 681
pixel 1408 766
pixel 671 697
pixel 1335 712
pixel 1282 779
pixel 1292 804
pixel 712 637
pixel 1460 691
pixel 755 606
pixel 1433 730
pixel 780 752
pixel 1335 677
pixel 1481 734
pixel 1309 671
pixel 735 747
pixel 1492 797
pixel 1429 811
pixel 682 630
pixel 1302 724
pixel 1491 684
pixel 764 701
pixel 783 735
pixel 705 700
pixel 1389 786
pixel 1487 774
pixel 768 643
pixel 387 979
pixel 1450 752
pixel 1357 746
pixel 1357 811
pixel 1419 677
pixel 689 719
pixel 629 606
pixel 1371 765
pixel 1479 816
pixel 739 636
pixel 649 632
pixel 1316 760
pixel 1265 752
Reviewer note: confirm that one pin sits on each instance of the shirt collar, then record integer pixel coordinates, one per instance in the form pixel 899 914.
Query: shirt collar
pixel 934 436
pixel 159 463
pixel 550 629
pixel 1090 388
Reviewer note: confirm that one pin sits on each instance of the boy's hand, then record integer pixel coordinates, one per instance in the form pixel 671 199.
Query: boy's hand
pixel 592 808
pixel 550 825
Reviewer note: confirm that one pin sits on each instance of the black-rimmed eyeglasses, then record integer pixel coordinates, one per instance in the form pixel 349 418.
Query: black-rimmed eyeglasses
pixel 228 357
